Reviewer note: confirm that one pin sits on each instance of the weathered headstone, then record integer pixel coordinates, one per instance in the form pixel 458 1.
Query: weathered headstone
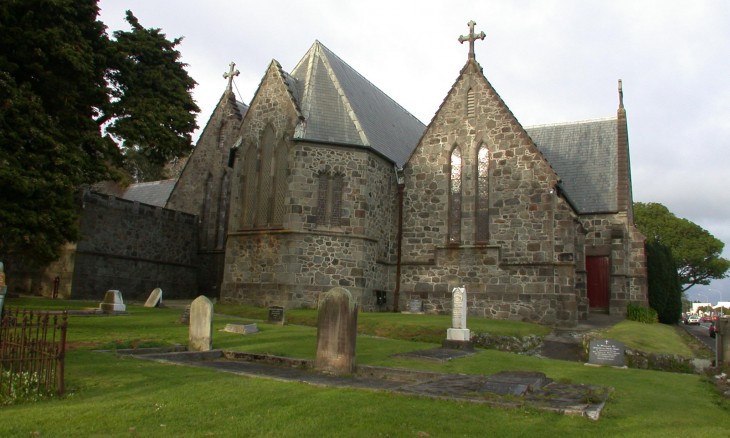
pixel 336 332
pixel 201 325
pixel 112 302
pixel 243 329
pixel 276 315
pixel 155 298
pixel 415 306
pixel 458 336
pixel 606 352
pixel 185 316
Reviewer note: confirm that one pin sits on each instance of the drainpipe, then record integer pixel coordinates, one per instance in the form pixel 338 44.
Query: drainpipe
pixel 399 238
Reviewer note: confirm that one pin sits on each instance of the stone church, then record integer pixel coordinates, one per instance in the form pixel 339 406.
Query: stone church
pixel 324 181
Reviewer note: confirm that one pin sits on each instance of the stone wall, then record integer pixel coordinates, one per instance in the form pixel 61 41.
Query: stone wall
pixel 133 248
pixel 526 269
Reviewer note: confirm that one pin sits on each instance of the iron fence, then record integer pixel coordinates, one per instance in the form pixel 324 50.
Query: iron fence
pixel 32 351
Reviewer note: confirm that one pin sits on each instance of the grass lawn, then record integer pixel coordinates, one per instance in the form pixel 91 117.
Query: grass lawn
pixel 109 395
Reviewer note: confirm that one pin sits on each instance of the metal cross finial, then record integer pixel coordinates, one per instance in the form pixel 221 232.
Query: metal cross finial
pixel 230 74
pixel 471 38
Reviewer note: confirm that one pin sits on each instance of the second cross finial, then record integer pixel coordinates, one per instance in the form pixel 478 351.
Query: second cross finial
pixel 471 38
pixel 230 74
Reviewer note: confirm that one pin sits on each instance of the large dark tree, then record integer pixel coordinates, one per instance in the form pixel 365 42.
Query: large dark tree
pixel 665 291
pixel 696 252
pixel 151 111
pixel 61 78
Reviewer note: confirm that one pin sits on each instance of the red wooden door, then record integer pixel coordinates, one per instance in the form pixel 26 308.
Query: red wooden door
pixel 597 273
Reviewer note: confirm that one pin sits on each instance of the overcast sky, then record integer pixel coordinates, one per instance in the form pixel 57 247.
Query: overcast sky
pixel 551 61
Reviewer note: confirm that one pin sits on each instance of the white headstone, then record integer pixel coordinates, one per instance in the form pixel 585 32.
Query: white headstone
pixel 201 325
pixel 112 302
pixel 458 330
pixel 155 298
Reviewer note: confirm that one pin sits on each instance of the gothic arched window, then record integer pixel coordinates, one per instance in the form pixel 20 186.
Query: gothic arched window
pixel 455 196
pixel 279 186
pixel 248 187
pixel 266 175
pixel 482 198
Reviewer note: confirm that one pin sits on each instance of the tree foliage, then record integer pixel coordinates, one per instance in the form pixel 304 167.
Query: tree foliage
pixel 665 291
pixel 62 80
pixel 151 110
pixel 696 252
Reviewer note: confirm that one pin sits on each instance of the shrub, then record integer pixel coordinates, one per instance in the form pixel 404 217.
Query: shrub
pixel 665 290
pixel 19 387
pixel 641 314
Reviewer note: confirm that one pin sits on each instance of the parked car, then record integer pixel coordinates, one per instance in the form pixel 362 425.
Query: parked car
pixel 692 319
pixel 713 329
pixel 706 319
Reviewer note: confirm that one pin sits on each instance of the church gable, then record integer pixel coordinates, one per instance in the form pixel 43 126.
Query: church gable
pixel 479 176
pixel 341 106
pixel 260 183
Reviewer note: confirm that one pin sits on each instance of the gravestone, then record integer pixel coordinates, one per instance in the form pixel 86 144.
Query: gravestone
pixel 112 302
pixel 458 336
pixel 606 352
pixel 336 332
pixel 276 315
pixel 242 329
pixel 185 316
pixel 155 298
pixel 201 325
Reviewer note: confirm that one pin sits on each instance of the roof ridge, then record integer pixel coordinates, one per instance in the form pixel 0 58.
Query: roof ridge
pixel 577 122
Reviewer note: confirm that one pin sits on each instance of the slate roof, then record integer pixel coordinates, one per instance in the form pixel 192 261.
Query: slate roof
pixel 340 106
pixel 151 193
pixel 584 155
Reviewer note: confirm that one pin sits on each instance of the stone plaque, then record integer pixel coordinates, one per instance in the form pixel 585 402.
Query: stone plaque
pixel 276 315
pixel 606 352
pixel 243 329
pixel 415 306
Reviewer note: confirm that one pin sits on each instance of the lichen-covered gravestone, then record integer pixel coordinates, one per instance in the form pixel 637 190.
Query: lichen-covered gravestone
pixel 336 332
pixel 201 325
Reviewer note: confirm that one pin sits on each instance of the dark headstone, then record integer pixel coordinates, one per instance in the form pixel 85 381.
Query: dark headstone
pixel 276 315
pixel 336 332
pixel 606 352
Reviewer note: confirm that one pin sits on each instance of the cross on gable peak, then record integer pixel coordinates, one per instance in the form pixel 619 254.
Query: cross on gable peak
pixel 230 74
pixel 471 38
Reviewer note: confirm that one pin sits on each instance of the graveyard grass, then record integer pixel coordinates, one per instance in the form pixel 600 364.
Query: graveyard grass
pixel 111 395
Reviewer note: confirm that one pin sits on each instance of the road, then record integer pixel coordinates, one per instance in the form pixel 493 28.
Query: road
pixel 701 332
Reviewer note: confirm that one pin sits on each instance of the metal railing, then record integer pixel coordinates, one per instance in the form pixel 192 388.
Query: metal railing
pixel 32 351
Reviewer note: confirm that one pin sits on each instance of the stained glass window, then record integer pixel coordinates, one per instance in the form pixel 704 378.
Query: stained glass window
pixel 455 197
pixel 482 198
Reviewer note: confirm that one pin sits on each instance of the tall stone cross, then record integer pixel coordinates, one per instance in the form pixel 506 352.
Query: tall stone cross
pixel 230 75
pixel 471 38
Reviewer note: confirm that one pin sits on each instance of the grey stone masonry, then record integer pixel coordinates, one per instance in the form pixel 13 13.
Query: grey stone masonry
pixel 520 271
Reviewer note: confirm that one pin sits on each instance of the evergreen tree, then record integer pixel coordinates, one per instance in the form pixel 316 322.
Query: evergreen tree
pixel 61 79
pixel 665 290
pixel 697 253
pixel 152 111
